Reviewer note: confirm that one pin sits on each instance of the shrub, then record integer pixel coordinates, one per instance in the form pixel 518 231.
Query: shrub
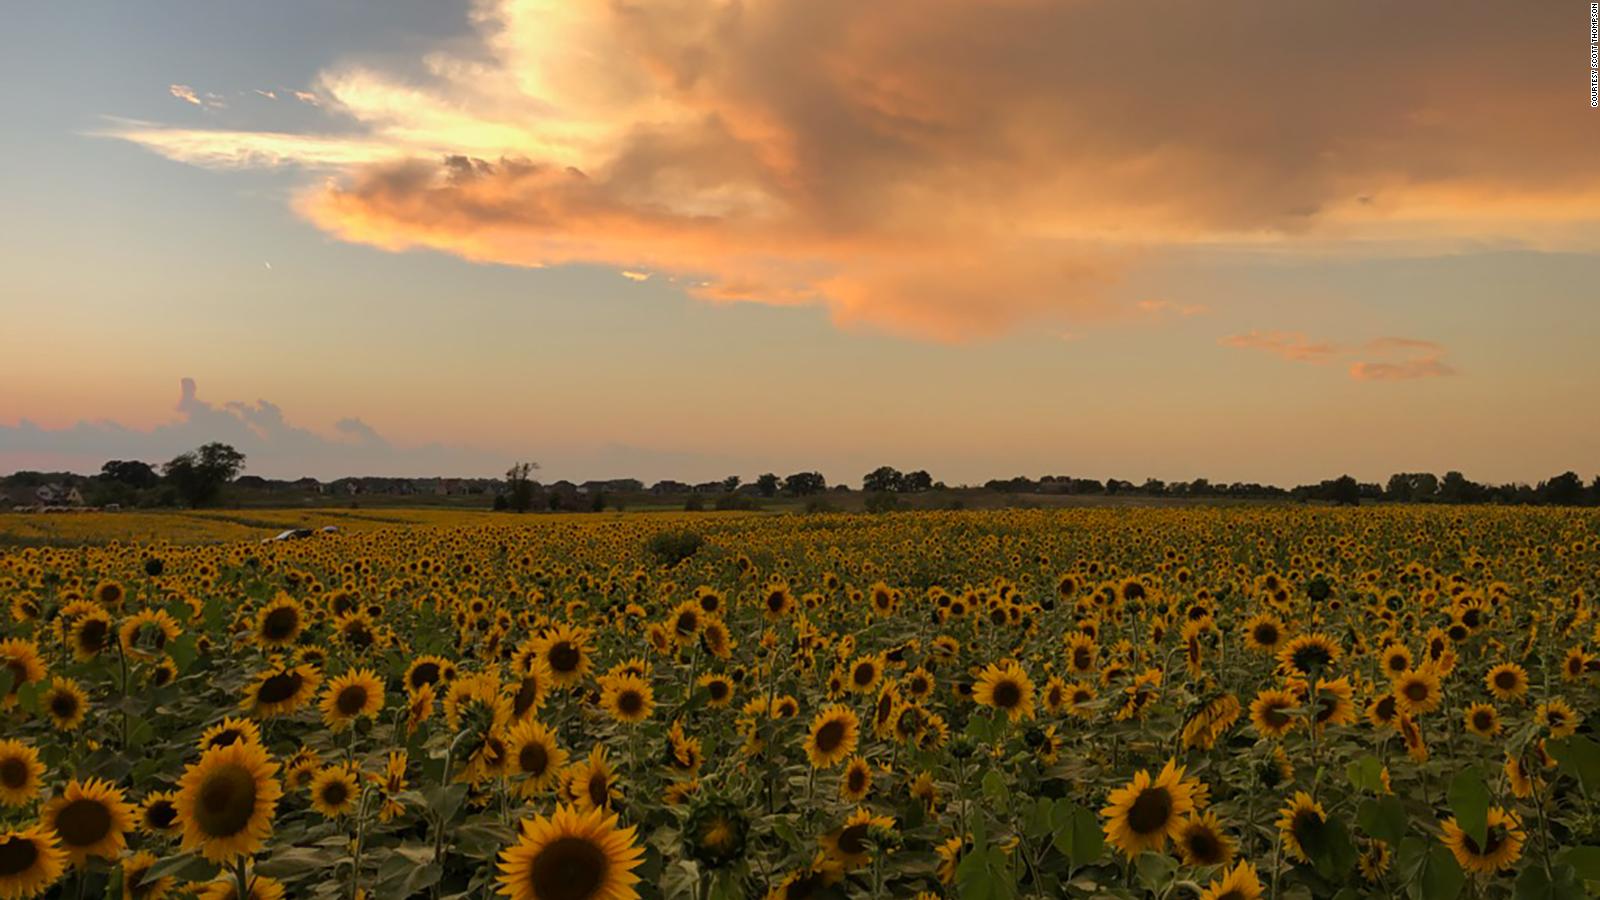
pixel 673 547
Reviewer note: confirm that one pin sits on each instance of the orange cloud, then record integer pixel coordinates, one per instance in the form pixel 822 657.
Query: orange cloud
pixel 1418 358
pixel 943 168
pixel 1291 345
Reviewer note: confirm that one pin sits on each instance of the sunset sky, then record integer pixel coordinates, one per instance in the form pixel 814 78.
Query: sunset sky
pixel 1247 240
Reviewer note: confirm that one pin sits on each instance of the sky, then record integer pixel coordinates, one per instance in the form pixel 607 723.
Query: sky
pixel 1250 240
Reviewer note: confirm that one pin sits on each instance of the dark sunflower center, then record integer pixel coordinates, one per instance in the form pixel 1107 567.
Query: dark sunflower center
pixel 858 781
pixel 161 815
pixel 830 736
pixel 14 772
pixel 853 839
pixel 533 759
pixel 1416 692
pixel 279 688
pixel 279 624
pixel 17 855
pixel 352 700
pixel 630 703
pixel 1386 708
pixel 1313 656
pixel 227 801
pixel 1266 634
pixel 1274 716
pixel 1307 830
pixel 864 674
pixel 335 793
pixel 775 602
pixel 564 657
pixel 63 705
pixel 1483 720
pixel 83 822
pixel 1007 694
pixel 526 695
pixel 1150 811
pixel 719 689
pixel 568 868
pixel 1204 847
pixel 92 635
pixel 225 738
pixel 424 673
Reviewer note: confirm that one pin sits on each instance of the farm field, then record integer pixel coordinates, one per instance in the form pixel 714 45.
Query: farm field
pixel 1195 702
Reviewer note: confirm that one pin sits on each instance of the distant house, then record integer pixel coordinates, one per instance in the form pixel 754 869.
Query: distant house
pixel 670 487
pixel 56 495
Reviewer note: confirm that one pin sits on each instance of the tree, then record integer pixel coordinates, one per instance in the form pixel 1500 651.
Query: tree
pixel 919 480
pixel 731 483
pixel 519 486
pixel 801 484
pixel 1565 489
pixel 767 485
pixel 199 475
pixel 130 472
pixel 1345 491
pixel 883 478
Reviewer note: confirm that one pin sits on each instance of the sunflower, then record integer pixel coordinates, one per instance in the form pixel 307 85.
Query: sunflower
pixel 1334 704
pixel 715 831
pixel 279 690
pixel 20 658
pixel 147 634
pixel 1483 720
pixel 280 621
pixel 158 814
pixel 1308 654
pixel 1239 883
pixel 591 784
pixel 1007 689
pixel 90 634
pixel 856 780
pixel 31 860
pixel 864 673
pixel 565 654
pixel 230 730
pixel 719 689
pixel 136 885
pixel 1374 861
pixel 627 698
pixel 850 846
pixel 1146 811
pixel 1301 824
pixel 1263 632
pixel 20 772
pixel 335 791
pixel 91 818
pixel 777 603
pixel 1416 745
pixel 811 881
pixel 227 888
pixel 1557 717
pixel 66 703
pixel 535 755
pixel 1202 841
pixel 1396 660
pixel 1507 681
pixel 1272 712
pixel 226 801
pixel 1417 692
pixel 428 670
pixel 1502 847
pixel 350 696
pixel 571 855
pixel 832 737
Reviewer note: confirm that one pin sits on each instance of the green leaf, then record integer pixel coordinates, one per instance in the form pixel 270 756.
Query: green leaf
pixel 1366 774
pixel 1156 870
pixel 1579 757
pixel 1335 855
pixel 1532 884
pixel 1383 818
pixel 6 681
pixel 1442 878
pixel 1584 860
pixel 445 799
pixel 1076 833
pixel 1469 800
pixel 994 787
pixel 183 651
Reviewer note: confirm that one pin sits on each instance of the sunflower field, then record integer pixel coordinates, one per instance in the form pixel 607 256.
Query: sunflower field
pixel 1215 703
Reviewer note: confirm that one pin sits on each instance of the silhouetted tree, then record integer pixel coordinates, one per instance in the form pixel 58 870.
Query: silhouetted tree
pixel 919 480
pixel 199 475
pixel 131 472
pixel 767 485
pixel 1565 489
pixel 519 486
pixel 801 484
pixel 731 483
pixel 883 478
